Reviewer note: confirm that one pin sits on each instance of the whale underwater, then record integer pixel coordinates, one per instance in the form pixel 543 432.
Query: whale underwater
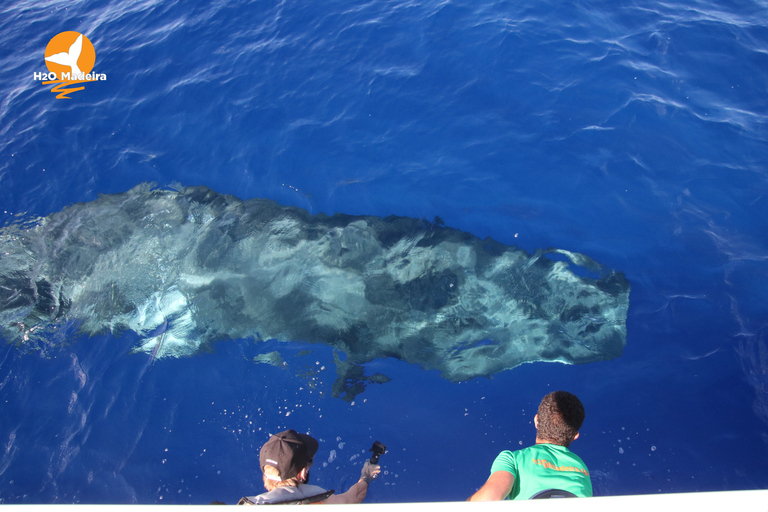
pixel 186 268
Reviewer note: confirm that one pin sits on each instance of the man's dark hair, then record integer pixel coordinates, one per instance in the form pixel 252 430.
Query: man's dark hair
pixel 561 415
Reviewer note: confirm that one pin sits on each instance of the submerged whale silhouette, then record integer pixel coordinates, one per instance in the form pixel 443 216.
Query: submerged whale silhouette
pixel 189 267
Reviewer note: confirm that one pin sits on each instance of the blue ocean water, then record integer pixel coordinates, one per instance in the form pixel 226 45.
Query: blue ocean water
pixel 632 132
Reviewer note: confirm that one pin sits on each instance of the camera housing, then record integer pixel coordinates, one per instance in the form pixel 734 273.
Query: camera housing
pixel 378 449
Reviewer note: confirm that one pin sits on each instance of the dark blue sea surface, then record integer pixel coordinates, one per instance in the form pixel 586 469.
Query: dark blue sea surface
pixel 631 132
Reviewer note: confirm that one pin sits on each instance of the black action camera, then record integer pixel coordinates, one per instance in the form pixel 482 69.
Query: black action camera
pixel 378 449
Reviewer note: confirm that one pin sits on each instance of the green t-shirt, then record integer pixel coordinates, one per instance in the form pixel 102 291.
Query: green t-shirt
pixel 541 467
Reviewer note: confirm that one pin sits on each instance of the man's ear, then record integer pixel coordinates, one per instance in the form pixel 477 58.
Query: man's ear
pixel 576 436
pixel 536 421
pixel 304 474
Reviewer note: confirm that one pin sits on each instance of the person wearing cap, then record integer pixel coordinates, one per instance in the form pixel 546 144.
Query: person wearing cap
pixel 285 460
pixel 548 469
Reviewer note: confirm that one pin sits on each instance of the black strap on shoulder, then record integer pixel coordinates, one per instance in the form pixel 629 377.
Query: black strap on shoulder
pixel 310 499
pixel 551 494
pixel 302 501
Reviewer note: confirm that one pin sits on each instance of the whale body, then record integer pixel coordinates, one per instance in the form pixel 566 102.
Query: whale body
pixel 189 267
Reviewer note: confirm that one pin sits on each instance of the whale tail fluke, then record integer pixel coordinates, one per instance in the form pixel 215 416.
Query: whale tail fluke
pixel 70 57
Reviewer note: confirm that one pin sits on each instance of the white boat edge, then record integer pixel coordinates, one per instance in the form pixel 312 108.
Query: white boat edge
pixel 743 501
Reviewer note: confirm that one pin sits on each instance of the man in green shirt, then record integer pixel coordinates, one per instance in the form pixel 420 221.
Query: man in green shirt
pixel 548 468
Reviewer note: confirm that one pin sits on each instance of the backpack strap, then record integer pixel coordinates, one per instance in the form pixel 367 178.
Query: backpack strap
pixel 301 501
pixel 309 499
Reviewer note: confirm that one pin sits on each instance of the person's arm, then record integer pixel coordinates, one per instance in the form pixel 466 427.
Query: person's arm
pixel 496 488
pixel 356 493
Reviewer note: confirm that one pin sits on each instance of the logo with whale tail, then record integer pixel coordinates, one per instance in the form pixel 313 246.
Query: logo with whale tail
pixel 69 57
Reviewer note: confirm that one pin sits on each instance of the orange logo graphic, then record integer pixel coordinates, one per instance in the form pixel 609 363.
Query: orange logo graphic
pixel 70 58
